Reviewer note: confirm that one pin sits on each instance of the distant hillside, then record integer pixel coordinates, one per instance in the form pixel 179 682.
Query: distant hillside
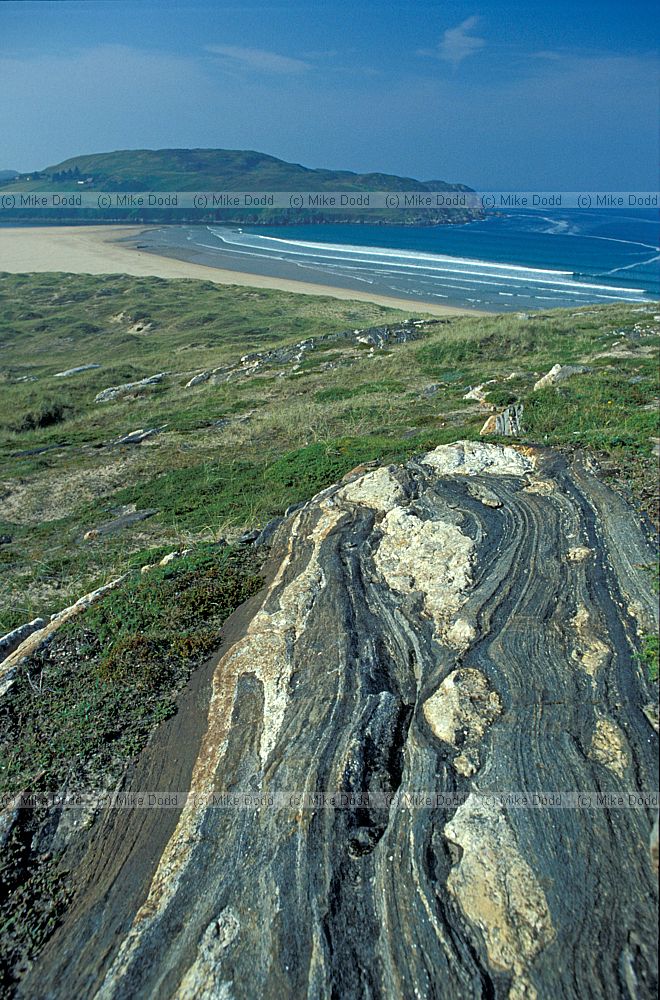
pixel 8 175
pixel 221 170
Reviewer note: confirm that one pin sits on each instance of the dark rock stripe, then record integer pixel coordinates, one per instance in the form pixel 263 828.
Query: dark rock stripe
pixel 425 630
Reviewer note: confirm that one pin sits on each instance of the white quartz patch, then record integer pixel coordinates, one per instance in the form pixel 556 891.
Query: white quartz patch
pixel 433 557
pixel 474 458
pixel 378 490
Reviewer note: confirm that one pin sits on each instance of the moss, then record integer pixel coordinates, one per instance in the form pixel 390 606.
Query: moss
pixel 649 656
pixel 136 660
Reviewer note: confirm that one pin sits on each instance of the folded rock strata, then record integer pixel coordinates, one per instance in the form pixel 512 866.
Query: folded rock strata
pixel 423 630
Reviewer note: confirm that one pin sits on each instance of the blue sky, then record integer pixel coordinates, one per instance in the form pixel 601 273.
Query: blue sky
pixel 506 95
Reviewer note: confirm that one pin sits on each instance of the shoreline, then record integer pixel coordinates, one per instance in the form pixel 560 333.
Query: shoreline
pixel 103 250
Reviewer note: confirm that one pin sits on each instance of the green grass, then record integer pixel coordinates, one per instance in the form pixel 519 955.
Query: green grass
pixel 649 656
pixel 228 457
pixel 602 410
pixel 92 697
pixel 210 478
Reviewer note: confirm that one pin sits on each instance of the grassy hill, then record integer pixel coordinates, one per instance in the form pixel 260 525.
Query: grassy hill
pixel 232 452
pixel 216 169
pixel 221 170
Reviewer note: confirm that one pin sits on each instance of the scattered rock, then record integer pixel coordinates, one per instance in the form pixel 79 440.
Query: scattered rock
pixel 478 392
pixel 560 373
pixel 116 391
pixel 292 356
pixel 38 451
pixel 75 371
pixel 5 539
pixel 172 556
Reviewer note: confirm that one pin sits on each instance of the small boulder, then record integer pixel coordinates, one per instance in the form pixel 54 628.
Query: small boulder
pixel 198 379
pixel 118 524
pixel 478 392
pixel 171 556
pixel 560 373
pixel 116 391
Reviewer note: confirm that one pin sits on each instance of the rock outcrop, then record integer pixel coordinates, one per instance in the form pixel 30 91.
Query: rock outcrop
pixel 292 355
pixel 75 371
pixel 128 388
pixel 508 422
pixel 33 639
pixel 138 436
pixel 560 373
pixel 13 639
pixel 384 798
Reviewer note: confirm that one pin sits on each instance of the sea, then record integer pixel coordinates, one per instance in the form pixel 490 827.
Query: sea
pixel 519 261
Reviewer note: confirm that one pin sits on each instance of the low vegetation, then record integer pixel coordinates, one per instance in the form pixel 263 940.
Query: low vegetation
pixel 230 456
pixel 91 697
pixel 225 457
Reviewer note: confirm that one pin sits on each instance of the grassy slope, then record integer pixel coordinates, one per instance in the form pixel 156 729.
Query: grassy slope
pixel 226 169
pixel 304 429
pixel 83 706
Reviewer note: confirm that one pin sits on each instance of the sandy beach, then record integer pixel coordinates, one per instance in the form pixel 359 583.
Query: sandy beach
pixel 96 250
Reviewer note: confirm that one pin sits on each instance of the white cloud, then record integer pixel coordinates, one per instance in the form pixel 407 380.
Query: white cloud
pixel 258 59
pixel 457 44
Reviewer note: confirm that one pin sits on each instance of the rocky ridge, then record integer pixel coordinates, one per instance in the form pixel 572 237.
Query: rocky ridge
pixel 433 641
